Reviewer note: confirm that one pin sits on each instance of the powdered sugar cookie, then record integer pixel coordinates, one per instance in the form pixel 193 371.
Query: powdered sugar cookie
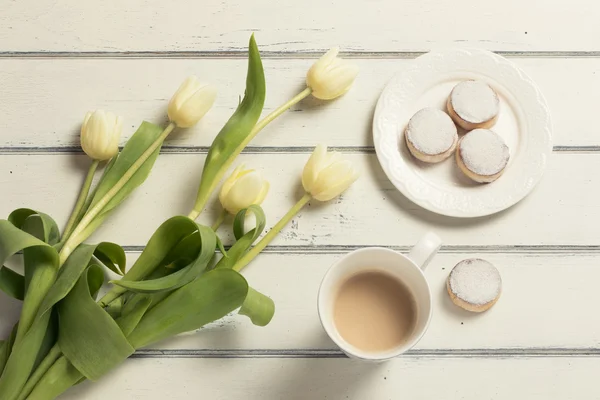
pixel 431 136
pixel 474 285
pixel 473 104
pixel 482 155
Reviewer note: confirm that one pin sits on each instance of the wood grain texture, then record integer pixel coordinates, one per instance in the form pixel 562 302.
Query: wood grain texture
pixel 301 379
pixel 372 212
pixel 140 89
pixel 215 25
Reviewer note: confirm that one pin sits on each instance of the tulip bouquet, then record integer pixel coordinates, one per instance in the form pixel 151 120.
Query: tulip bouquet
pixel 184 278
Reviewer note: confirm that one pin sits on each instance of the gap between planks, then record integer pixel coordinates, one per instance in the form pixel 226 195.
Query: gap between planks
pixel 233 54
pixel 542 352
pixel 559 250
pixel 6 150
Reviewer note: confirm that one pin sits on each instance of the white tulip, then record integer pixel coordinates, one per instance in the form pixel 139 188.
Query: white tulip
pixel 242 189
pixel 100 134
pixel 326 174
pixel 190 102
pixel 330 76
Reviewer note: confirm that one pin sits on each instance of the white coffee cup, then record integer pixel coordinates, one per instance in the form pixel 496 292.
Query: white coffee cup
pixel 407 269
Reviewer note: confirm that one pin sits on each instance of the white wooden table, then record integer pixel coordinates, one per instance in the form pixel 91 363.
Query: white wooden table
pixel 61 58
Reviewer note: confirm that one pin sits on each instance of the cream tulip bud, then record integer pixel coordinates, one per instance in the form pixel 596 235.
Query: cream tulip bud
pixel 100 134
pixel 326 174
pixel 190 102
pixel 330 76
pixel 242 189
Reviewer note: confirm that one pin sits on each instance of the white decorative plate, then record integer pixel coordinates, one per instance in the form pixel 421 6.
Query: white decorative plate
pixel 524 123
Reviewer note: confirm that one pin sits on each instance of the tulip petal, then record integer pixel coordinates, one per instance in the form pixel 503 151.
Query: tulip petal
pixel 100 134
pixel 191 102
pixel 312 167
pixel 330 76
pixel 326 174
pixel 243 189
pixel 263 193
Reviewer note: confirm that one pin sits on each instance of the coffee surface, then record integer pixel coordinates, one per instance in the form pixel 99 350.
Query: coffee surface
pixel 374 311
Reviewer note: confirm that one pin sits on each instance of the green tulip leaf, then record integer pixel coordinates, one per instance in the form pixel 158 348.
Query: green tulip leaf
pixel 89 338
pixel 141 140
pixel 208 298
pixel 44 229
pixel 207 238
pixel 4 350
pixel 258 307
pixel 39 225
pixel 49 339
pixel 31 346
pixel 244 240
pixel 133 314
pixel 114 308
pixel 185 252
pixel 74 267
pixel 7 348
pixel 41 261
pixel 159 252
pixel 61 376
pixel 23 357
pixel 12 283
pixel 230 140
pixel 112 257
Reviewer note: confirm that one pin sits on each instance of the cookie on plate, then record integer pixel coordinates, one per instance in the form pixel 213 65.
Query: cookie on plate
pixel 431 136
pixel 473 104
pixel 482 155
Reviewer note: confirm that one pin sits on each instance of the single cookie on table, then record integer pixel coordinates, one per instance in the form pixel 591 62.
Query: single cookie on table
pixel 473 104
pixel 431 136
pixel 482 155
pixel 474 285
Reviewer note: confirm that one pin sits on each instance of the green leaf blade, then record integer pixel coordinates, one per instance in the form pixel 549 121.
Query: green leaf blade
pixel 208 241
pixel 157 252
pixel 141 140
pixel 112 256
pixel 89 338
pixel 258 307
pixel 244 240
pixel 12 283
pixel 41 225
pixel 208 298
pixel 229 142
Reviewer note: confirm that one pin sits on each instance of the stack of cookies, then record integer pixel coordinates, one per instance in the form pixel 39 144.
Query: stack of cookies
pixel 481 154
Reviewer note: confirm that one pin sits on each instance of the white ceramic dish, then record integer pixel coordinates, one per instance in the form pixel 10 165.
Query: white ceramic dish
pixel 524 123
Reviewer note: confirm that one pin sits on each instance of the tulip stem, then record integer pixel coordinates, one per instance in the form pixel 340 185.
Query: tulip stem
pixel 83 194
pixel 88 218
pixel 257 128
pixel 219 220
pixel 268 238
pixel 274 114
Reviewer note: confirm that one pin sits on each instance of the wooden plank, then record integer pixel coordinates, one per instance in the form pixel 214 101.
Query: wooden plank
pixel 301 379
pixel 214 25
pixel 542 306
pixel 140 89
pixel 372 212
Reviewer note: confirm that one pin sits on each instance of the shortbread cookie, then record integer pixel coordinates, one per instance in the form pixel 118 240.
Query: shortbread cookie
pixel 474 285
pixel 473 104
pixel 482 155
pixel 431 136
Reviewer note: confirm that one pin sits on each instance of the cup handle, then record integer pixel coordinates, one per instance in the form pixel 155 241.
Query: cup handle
pixel 422 253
